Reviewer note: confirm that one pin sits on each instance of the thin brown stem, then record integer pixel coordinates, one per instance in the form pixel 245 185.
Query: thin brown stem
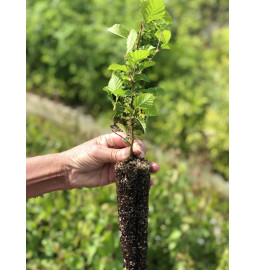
pixel 157 50
pixel 139 37
pixel 131 119
pixel 121 136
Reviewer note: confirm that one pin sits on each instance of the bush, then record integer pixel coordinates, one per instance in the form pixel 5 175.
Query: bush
pixel 69 50
pixel 78 229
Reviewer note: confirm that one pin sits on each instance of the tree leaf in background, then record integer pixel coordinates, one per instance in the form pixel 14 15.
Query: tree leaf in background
pixel 119 30
pixel 131 40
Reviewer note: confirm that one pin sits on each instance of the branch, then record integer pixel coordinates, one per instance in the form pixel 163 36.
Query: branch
pixel 140 32
pixel 157 50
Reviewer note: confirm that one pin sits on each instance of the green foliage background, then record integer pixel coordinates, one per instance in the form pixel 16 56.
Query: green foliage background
pixel 68 52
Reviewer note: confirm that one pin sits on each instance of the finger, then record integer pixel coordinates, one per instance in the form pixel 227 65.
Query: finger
pixel 154 167
pixel 112 140
pixel 109 155
pixel 139 148
pixel 112 177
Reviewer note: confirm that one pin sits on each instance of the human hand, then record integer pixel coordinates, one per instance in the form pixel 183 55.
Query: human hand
pixel 91 164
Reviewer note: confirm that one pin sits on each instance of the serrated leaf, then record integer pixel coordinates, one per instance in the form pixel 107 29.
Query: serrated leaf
pixel 125 78
pixel 131 40
pixel 168 18
pixel 152 111
pixel 165 37
pixel 165 47
pixel 147 47
pixel 144 101
pixel 142 123
pixel 122 127
pixel 142 77
pixel 126 140
pixel 119 30
pixel 117 67
pixel 154 90
pixel 114 83
pixel 128 93
pixel 152 9
pixel 119 92
pixel 118 109
pixel 137 56
pixel 106 89
pixel 145 65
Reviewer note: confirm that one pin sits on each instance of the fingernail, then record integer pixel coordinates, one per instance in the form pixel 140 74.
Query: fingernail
pixel 142 153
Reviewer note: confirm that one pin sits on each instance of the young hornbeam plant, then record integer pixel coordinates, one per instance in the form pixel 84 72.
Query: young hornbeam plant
pixel 133 103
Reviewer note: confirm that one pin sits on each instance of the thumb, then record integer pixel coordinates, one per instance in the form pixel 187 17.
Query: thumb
pixel 110 155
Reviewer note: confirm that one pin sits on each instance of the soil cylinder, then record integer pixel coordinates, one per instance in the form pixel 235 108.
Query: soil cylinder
pixel 133 185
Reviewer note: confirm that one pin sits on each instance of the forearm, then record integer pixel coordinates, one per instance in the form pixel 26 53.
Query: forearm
pixel 45 174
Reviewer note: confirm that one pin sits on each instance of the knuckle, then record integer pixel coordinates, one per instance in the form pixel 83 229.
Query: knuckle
pixel 114 155
pixel 94 149
pixel 100 140
pixel 110 140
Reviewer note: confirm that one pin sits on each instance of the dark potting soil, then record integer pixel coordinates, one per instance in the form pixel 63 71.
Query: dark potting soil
pixel 133 184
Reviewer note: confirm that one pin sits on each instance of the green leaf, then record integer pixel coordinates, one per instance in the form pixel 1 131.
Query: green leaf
pixel 147 47
pixel 142 123
pixel 119 30
pixel 125 78
pixel 145 65
pixel 119 92
pixel 142 77
pixel 106 89
pixel 144 101
pixel 131 40
pixel 154 90
pixel 118 109
pixel 117 67
pixel 165 37
pixel 122 127
pixel 152 9
pixel 152 111
pixel 114 83
pixel 137 56
pixel 165 47
pixel 168 18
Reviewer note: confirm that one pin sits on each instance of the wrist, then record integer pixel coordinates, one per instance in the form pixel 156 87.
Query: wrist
pixel 64 163
pixel 46 174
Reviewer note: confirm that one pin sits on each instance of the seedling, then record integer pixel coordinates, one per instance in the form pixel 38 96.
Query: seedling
pixel 133 104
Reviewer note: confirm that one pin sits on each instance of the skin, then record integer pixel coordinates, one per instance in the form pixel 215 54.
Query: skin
pixel 90 164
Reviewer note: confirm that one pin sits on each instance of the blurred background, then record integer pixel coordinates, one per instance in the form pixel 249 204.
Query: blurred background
pixel 68 52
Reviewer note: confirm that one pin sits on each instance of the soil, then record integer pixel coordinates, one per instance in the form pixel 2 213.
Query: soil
pixel 133 185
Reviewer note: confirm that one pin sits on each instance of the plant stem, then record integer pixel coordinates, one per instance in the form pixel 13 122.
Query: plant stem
pixel 132 120
pixel 140 32
pixel 132 97
pixel 157 50
pixel 132 137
